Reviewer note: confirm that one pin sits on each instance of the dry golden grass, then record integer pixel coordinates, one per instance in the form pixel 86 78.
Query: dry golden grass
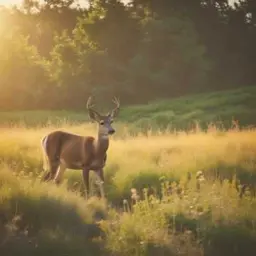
pixel 140 161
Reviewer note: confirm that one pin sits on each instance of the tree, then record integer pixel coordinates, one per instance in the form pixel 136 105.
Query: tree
pixel 23 74
pixel 170 60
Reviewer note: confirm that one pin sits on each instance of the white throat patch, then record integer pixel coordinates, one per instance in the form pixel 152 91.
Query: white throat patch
pixel 104 136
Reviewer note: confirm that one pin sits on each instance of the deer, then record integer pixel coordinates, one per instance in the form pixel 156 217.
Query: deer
pixel 64 150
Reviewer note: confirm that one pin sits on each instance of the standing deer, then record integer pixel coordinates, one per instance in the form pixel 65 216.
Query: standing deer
pixel 66 150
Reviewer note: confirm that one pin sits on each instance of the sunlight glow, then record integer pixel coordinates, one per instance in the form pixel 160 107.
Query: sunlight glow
pixel 18 2
pixel 10 2
pixel 81 2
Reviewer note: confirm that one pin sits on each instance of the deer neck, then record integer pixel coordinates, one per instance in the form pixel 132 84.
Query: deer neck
pixel 102 144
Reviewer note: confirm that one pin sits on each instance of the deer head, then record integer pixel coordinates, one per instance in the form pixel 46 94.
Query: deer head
pixel 104 121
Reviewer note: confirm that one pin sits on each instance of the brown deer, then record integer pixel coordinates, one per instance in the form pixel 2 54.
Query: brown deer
pixel 66 150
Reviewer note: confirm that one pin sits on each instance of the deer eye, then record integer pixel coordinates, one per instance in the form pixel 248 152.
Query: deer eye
pixel 101 122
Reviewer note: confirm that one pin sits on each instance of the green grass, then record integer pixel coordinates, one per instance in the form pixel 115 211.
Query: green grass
pixel 205 108
pixel 40 118
pixel 219 108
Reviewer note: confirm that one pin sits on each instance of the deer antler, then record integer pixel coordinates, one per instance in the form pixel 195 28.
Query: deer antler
pixel 115 111
pixel 92 113
pixel 89 103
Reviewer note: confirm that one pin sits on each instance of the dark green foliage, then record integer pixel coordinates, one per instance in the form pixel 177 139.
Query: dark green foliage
pixel 55 54
pixel 230 240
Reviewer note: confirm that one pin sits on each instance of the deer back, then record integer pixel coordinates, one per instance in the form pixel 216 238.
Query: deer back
pixel 74 150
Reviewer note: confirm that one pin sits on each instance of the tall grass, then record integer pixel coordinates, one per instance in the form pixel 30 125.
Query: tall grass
pixel 37 219
pixel 141 160
pixel 165 214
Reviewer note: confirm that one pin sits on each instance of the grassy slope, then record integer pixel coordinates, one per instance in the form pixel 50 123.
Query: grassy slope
pixel 223 106
pixel 178 113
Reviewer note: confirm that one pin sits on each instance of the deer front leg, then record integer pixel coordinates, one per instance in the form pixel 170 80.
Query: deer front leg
pixel 86 181
pixel 100 181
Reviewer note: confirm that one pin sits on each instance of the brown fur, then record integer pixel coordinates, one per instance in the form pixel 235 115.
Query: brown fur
pixel 66 150
pixel 74 152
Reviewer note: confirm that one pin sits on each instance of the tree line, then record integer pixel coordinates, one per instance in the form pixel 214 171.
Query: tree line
pixel 55 53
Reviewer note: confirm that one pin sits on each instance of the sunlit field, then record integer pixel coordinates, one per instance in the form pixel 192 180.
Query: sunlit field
pixel 155 203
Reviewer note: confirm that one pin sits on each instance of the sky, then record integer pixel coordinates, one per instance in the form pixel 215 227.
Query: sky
pixel 10 2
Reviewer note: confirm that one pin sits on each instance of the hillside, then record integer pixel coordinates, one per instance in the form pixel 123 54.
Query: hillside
pixel 179 113
pixel 223 106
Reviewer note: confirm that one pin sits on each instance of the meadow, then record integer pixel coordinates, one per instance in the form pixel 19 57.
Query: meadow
pixel 155 203
pixel 219 107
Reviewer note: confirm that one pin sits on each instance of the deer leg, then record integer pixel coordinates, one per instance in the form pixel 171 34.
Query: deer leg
pixel 100 175
pixel 86 172
pixel 53 165
pixel 100 182
pixel 60 172
pixel 47 176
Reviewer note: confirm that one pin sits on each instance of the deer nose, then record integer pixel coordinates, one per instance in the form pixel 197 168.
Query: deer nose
pixel 111 131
